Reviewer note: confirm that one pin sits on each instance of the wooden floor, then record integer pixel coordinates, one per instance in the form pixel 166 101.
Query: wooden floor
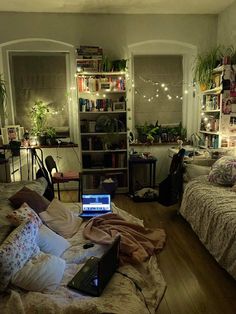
pixel 195 282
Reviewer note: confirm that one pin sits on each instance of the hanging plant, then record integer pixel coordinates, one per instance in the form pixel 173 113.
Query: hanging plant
pixel 204 65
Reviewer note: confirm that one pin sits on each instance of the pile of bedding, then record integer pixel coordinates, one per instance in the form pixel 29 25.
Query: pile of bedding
pixel 44 250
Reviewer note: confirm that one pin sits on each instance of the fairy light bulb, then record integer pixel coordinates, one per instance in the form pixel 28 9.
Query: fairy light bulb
pixel 186 92
pixel 162 85
pixel 166 88
pixel 157 95
pixel 205 119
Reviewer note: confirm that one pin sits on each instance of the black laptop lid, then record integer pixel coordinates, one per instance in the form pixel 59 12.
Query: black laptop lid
pixel 108 264
pixel 96 203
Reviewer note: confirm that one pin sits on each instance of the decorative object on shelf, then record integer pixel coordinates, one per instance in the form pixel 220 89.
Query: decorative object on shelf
pixel 119 65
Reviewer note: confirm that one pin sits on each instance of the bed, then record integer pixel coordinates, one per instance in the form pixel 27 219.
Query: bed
pixel 140 291
pixel 210 209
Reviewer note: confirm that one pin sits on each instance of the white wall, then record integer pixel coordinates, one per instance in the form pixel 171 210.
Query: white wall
pixel 112 32
pixel 227 26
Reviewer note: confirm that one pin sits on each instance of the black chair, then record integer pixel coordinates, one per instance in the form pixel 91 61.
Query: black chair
pixel 61 177
pixel 171 188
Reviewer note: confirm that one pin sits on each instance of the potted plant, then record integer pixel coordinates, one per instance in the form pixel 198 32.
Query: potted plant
pixel 204 65
pixel 50 136
pixel 39 114
pixel 147 132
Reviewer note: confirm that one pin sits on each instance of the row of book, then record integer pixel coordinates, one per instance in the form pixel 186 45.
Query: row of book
pixel 89 59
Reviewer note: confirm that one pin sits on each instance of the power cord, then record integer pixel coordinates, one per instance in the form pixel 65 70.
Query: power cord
pixel 136 286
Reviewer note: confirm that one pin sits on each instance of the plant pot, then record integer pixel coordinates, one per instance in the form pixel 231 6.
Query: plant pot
pixel 203 87
pixel 41 139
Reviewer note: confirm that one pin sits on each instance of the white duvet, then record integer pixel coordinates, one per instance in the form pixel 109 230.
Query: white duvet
pixel 140 293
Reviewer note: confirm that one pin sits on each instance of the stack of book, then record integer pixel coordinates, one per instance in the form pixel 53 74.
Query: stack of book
pixel 89 59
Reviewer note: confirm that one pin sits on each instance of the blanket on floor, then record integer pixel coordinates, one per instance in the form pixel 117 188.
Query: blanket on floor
pixel 137 243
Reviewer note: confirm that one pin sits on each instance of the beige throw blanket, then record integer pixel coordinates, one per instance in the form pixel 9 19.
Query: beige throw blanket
pixel 137 243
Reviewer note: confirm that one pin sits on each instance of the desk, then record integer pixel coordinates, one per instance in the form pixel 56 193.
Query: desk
pixel 142 161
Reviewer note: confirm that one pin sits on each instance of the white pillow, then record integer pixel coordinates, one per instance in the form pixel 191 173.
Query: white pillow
pixel 42 273
pixel 192 171
pixel 60 219
pixel 50 242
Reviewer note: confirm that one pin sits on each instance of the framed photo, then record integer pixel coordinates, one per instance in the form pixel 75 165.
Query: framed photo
pixel 118 106
pixel 106 86
pixel 10 133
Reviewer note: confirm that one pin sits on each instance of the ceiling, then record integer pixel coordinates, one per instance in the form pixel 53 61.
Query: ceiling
pixel 117 6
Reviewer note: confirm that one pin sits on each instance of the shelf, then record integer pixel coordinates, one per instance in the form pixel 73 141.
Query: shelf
pixel 87 170
pixel 104 151
pixel 102 91
pixel 213 110
pixel 208 132
pixel 214 91
pixel 101 73
pixel 102 112
pixel 103 133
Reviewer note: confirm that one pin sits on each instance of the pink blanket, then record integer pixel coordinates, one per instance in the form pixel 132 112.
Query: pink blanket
pixel 137 243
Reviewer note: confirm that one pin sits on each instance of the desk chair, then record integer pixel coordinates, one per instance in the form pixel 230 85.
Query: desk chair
pixel 61 177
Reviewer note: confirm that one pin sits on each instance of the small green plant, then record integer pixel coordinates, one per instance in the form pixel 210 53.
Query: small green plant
pixel 39 114
pixel 204 65
pixel 50 132
pixel 147 132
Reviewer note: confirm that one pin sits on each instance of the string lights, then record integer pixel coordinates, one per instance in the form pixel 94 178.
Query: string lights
pixel 164 88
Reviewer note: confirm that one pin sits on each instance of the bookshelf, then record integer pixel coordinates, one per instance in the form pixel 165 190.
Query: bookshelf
pixel 218 110
pixel 103 128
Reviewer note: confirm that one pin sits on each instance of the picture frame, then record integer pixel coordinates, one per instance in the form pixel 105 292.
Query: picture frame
pixel 118 106
pixel 10 133
pixel 105 86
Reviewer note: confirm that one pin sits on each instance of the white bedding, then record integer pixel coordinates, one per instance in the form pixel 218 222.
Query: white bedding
pixel 120 295
pixel 211 211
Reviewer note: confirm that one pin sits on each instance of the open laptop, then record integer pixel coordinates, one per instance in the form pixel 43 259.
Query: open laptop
pixel 93 277
pixel 95 205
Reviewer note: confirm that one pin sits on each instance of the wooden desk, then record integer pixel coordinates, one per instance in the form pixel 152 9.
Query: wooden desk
pixel 142 161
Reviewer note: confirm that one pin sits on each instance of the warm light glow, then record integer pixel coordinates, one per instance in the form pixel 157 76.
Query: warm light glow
pixel 162 85
pixel 166 88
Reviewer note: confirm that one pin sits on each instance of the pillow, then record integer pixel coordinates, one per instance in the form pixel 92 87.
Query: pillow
pixel 24 213
pixel 50 242
pixel 4 232
pixel 192 171
pixel 16 250
pixel 223 171
pixel 60 219
pixel 35 201
pixel 41 273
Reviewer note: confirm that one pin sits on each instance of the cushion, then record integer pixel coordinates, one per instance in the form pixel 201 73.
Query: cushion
pixel 22 214
pixel 192 171
pixel 4 232
pixel 41 273
pixel 37 202
pixel 16 250
pixel 50 242
pixel 60 219
pixel 223 171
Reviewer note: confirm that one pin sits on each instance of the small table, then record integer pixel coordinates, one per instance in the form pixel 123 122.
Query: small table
pixel 142 161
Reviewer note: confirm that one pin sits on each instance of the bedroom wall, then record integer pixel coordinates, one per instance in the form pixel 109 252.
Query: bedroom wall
pixel 226 34
pixel 112 32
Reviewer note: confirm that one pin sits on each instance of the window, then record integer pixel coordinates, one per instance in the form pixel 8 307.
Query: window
pixel 152 101
pixel 39 76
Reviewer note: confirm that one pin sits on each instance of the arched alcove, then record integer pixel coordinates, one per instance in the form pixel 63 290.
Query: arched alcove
pixel 169 47
pixel 41 45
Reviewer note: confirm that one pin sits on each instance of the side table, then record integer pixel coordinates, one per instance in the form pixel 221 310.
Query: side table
pixel 142 161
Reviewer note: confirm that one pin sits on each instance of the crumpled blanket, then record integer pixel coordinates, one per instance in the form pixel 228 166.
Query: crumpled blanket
pixel 137 243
